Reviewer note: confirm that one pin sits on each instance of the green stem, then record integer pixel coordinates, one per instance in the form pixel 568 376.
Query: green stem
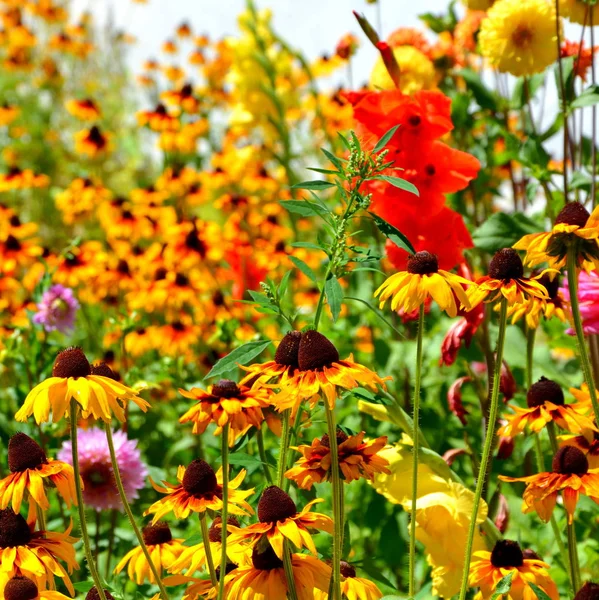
pixel 337 516
pixel 41 519
pixel 262 453
pixel 552 437
pixel 487 446
pixel 283 450
pixel 207 549
pixel 573 555
pixel 321 298
pixel 530 350
pixel 224 515
pixel 80 506
pixel 288 565
pixel 582 347
pixel 415 454
pixel 138 534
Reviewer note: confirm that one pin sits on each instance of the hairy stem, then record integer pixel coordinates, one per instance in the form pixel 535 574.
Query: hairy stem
pixel 224 515
pixel 207 549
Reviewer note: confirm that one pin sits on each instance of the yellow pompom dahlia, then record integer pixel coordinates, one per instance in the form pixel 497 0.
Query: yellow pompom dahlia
pixel 417 72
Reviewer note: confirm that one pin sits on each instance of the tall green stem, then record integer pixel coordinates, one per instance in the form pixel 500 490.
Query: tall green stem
pixel 337 491
pixel 530 350
pixel 263 459
pixel 573 554
pixel 138 534
pixel 81 507
pixel 582 346
pixel 224 512
pixel 552 437
pixel 415 453
pixel 288 565
pixel 488 445
pixel 283 450
pixel 207 549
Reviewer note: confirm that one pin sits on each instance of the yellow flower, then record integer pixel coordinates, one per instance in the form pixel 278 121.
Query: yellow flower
pixel 577 11
pixel 478 4
pixel 19 587
pixel 417 72
pixel 352 587
pixel 423 278
pixel 520 37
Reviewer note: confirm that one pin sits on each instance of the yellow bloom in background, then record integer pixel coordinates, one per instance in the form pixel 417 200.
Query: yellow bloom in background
pixel 520 37
pixel 478 4
pixel 577 11
pixel 417 72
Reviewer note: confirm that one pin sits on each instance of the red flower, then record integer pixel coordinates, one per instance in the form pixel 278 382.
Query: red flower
pixel 454 399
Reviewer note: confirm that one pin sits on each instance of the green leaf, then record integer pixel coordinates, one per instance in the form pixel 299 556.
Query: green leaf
pixel 304 208
pixel 484 97
pixel 394 234
pixel 310 245
pixel 338 162
pixel 334 294
pixel 317 184
pixel 400 183
pixel 503 231
pixel 385 139
pixel 304 268
pixel 540 594
pixel 83 586
pixel 196 538
pixel 503 587
pixel 240 356
pixel 532 154
pixel 245 460
pixel 588 97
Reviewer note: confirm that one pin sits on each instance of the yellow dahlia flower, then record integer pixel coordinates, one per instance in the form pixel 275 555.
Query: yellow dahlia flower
pixel 519 37
pixel 478 4
pixel 417 72
pixel 576 11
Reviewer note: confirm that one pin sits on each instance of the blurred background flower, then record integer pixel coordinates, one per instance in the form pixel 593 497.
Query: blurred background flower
pixel 57 309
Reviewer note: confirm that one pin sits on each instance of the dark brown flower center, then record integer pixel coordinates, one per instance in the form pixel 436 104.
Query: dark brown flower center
pixel 341 437
pixel 574 213
pixel 93 594
pixel 506 554
pixel 71 362
pixel 160 533
pixel 544 390
pixel 288 349
pixel 506 265
pixel 103 370
pixel 12 243
pixel 522 36
pixel 216 528
pixel 589 591
pixel 316 351
pixel 181 280
pixel 275 505
pixel 14 530
pixel 199 478
pixel 24 453
pixel 530 554
pixel 423 263
pixel 266 560
pixel 570 461
pixel 346 569
pixel 20 588
pixel 226 388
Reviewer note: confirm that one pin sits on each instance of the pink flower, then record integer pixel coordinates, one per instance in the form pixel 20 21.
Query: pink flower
pixel 588 296
pixel 100 491
pixel 57 309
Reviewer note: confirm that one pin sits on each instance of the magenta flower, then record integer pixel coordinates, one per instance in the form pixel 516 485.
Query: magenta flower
pixel 100 491
pixel 588 297
pixel 57 309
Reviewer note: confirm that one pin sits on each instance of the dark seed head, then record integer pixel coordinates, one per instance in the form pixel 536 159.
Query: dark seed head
pixel 216 528
pixel 14 530
pixel 266 560
pixel 103 370
pixel 288 349
pixel 530 554
pixel 24 453
pixel 346 569
pixel 506 265
pixel 20 588
pixel 551 285
pixel 71 362
pixel 506 554
pixel 226 388
pixel 570 461
pixel 423 263
pixel 574 213
pixel 589 591
pixel 341 437
pixel 94 595
pixel 544 390
pixel 316 351
pixel 199 478
pixel 275 505
pixel 160 533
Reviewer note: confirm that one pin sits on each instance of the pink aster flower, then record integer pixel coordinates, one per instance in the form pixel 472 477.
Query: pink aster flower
pixel 100 491
pixel 57 309
pixel 588 297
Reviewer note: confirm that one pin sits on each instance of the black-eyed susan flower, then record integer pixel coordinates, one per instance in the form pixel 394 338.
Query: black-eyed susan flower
pixel 183 98
pixel 263 576
pixel 8 113
pixel 357 459
pixel 506 279
pixel 72 377
pixel 575 229
pixel 23 588
pixel 279 519
pixel 353 587
pixel 587 442
pixel 86 109
pixel 422 280
pixel 35 554
pixel 158 119
pixel 489 568
pixel 570 476
pixel 199 489
pixel 92 142
pixel 545 401
pixel 29 470
pixel 163 549
pixel 319 372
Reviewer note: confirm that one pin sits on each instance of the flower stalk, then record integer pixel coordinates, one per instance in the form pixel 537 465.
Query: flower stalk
pixel 283 451
pixel 206 540
pixel 224 513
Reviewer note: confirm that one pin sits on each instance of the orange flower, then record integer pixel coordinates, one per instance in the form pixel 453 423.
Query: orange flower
pixel 158 119
pixel 587 442
pixel 92 142
pixel 85 109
